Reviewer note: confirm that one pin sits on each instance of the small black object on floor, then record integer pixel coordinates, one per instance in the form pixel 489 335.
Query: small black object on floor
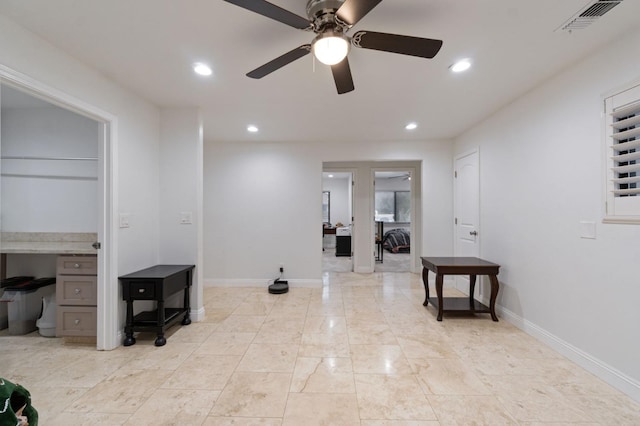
pixel 279 287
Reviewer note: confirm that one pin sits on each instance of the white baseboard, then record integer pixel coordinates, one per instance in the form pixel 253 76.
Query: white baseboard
pixel 597 367
pixel 197 315
pixel 260 282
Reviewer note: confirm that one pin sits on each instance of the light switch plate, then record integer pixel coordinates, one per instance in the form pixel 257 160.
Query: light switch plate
pixel 186 218
pixel 124 220
pixel 588 229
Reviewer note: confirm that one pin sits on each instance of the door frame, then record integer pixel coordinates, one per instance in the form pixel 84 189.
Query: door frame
pixel 107 329
pixel 415 180
pixel 353 173
pixel 462 282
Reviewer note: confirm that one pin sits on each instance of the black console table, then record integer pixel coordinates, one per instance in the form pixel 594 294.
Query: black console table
pixel 156 283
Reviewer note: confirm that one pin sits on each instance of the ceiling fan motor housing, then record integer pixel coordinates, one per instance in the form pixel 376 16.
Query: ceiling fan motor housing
pixel 323 15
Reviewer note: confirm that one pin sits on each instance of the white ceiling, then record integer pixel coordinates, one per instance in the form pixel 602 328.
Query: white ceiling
pixel 148 46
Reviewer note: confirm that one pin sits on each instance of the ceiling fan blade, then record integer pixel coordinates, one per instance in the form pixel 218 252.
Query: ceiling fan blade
pixel 272 11
pixel 342 76
pixel 280 61
pixel 352 11
pixel 404 45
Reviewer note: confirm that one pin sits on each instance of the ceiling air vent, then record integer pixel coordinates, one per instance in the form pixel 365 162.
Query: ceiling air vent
pixel 589 14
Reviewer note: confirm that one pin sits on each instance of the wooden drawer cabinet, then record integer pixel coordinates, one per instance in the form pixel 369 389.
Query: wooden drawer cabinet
pixel 78 265
pixel 76 320
pixel 76 290
pixel 76 295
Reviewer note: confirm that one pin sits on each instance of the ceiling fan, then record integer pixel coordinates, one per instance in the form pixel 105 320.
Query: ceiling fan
pixel 331 20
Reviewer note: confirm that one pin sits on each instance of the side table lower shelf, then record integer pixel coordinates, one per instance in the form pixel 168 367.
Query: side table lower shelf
pixel 150 318
pixel 462 305
pixel 151 321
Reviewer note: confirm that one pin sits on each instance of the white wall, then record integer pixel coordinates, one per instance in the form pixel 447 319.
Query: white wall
pixel 262 205
pixel 541 162
pixel 66 201
pixel 181 196
pixel 340 199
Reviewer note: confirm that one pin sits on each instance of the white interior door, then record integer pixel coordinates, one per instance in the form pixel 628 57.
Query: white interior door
pixel 466 210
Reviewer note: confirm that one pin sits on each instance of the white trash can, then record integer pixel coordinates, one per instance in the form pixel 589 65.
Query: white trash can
pixel 47 322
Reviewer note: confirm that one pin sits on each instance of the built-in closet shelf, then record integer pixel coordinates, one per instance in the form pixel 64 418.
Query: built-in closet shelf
pixel 22 157
pixel 32 171
pixel 48 242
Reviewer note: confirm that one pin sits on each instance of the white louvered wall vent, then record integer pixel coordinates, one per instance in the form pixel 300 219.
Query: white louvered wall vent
pixel 589 14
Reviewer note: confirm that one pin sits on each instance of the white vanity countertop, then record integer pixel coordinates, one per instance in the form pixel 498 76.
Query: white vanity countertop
pixel 48 242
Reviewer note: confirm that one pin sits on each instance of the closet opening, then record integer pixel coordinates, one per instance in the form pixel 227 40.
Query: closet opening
pixel 55 180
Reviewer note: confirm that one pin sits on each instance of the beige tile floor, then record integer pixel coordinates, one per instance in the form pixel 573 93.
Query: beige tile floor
pixel 361 350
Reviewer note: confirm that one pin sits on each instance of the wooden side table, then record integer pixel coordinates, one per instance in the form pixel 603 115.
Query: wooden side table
pixel 156 284
pixel 471 266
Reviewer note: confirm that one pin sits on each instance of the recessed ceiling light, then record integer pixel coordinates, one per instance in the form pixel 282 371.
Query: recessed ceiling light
pixel 461 65
pixel 411 126
pixel 330 176
pixel 251 128
pixel 202 69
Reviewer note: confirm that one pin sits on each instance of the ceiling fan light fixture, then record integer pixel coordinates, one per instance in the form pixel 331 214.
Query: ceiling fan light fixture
pixel 330 47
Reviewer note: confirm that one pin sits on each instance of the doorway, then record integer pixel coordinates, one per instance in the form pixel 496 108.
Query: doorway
pixel 88 169
pixel 393 221
pixel 337 221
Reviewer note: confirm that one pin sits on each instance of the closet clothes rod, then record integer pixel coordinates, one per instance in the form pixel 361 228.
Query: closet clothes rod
pixel 54 177
pixel 12 157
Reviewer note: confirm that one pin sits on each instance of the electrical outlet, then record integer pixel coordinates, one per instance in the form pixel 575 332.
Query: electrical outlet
pixel 281 267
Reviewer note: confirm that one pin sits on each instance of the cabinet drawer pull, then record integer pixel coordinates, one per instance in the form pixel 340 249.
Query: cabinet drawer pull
pixel 141 290
pixel 77 291
pixel 77 321
pixel 76 265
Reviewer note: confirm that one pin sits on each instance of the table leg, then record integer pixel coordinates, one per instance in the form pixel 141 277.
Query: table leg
pixel 187 307
pixel 472 286
pixel 425 282
pixel 439 280
pixel 160 339
pixel 128 328
pixel 495 286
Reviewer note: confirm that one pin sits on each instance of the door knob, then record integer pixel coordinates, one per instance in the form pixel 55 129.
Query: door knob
pixel 474 233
